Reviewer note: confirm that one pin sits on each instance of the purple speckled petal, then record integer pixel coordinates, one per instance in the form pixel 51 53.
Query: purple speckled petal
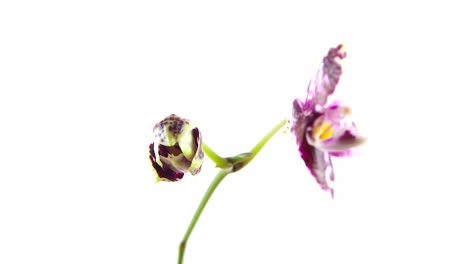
pixel 300 119
pixel 319 165
pixel 164 172
pixel 197 160
pixel 328 76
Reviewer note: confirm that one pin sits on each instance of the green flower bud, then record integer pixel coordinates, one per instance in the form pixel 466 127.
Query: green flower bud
pixel 177 149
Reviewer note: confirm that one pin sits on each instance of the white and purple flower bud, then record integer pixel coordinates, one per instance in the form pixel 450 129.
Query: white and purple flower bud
pixel 177 149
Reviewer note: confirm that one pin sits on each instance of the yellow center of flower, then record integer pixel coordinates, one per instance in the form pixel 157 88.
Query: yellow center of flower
pixel 323 131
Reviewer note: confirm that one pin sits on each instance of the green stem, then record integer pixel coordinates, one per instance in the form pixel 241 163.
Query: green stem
pixel 227 166
pixel 216 181
pixel 256 149
pixel 218 160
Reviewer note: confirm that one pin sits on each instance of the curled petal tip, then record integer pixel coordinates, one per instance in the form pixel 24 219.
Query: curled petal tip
pixel 328 75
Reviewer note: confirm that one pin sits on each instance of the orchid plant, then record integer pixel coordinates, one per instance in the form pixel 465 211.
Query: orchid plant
pixel 322 130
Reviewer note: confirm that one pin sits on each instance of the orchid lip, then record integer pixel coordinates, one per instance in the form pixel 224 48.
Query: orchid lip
pixel 344 142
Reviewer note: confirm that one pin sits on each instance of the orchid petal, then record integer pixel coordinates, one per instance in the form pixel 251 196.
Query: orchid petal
pixel 163 172
pixel 320 166
pixel 328 75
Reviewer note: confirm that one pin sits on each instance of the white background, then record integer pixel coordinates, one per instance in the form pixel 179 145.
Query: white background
pixel 82 84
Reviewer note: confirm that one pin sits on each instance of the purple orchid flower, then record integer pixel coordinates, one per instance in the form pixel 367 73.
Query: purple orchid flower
pixel 323 130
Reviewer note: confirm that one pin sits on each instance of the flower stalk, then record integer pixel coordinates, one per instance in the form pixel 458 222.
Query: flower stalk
pixel 218 160
pixel 214 184
pixel 227 165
